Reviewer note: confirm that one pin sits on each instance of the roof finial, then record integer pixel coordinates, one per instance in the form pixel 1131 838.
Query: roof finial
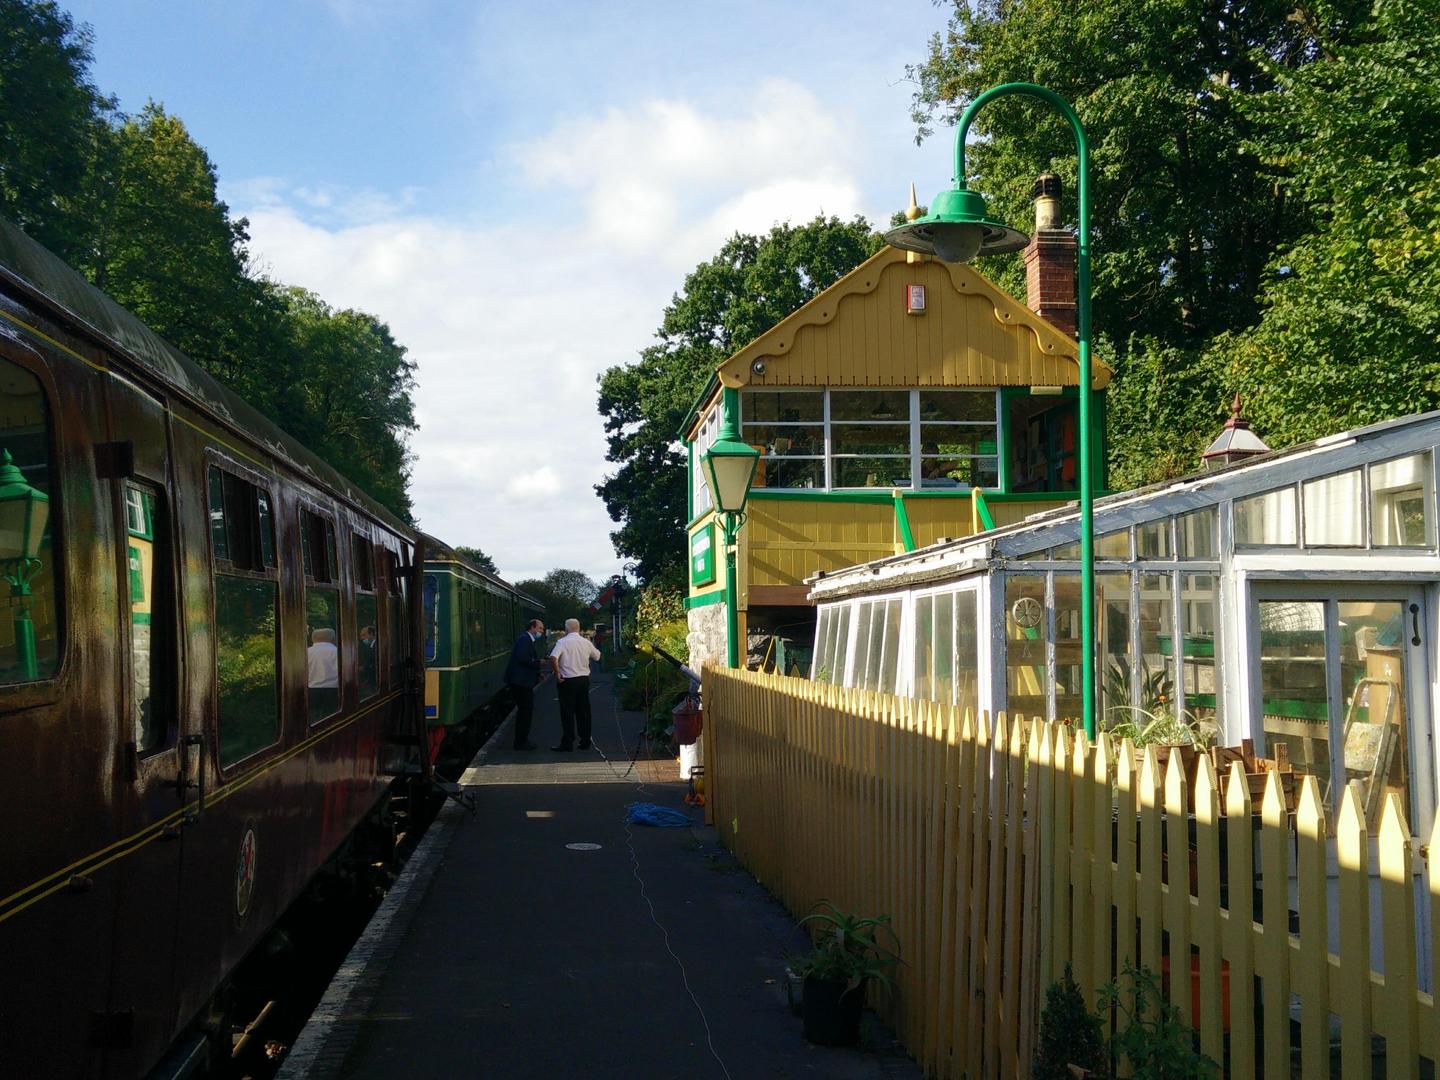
pixel 913 210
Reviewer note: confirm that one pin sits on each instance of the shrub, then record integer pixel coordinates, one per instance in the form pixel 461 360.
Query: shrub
pixel 1070 1034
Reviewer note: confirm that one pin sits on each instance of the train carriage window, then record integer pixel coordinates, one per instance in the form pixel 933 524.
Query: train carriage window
pixel 147 561
pixel 366 616
pixel 30 621
pixel 247 626
pixel 395 606
pixel 322 616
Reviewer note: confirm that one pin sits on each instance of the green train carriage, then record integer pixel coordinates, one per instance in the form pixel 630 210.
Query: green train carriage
pixel 471 618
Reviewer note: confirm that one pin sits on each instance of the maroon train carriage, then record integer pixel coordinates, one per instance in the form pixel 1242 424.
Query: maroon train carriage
pixel 208 661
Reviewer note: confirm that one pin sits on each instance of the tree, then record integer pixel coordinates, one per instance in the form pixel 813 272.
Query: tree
pixel 51 116
pixel 1186 210
pixel 478 557
pixel 564 594
pixel 749 286
pixel 1350 330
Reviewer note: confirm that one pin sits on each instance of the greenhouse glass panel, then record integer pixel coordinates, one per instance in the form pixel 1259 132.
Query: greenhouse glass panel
pixel 943 677
pixel 1373 743
pixel 841 651
pixel 874 646
pixel 1157 649
pixel 1025 644
pixel 1402 502
pixel 861 615
pixel 1198 534
pixel 890 659
pixel 821 665
pixel 1199 604
pixel 1334 511
pixel 1152 539
pixel 1115 545
pixel 967 653
pixel 1293 674
pixel 1118 701
pixel 924 658
pixel 1067 646
pixel 1267 518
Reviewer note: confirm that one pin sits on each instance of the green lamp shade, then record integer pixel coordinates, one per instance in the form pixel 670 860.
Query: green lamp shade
pixel 23 513
pixel 730 467
pixel 957 229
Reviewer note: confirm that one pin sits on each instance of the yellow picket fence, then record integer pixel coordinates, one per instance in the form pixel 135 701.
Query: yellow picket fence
pixel 997 850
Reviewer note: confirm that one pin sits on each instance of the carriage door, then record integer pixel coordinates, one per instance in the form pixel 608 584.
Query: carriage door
pixel 157 759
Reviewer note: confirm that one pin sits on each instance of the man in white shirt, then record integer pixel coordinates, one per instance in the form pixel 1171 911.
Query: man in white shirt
pixel 322 660
pixel 571 658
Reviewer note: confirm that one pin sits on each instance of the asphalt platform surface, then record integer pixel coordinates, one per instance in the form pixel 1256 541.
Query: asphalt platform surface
pixel 513 955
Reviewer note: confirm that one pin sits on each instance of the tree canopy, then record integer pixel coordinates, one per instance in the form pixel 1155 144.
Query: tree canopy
pixel 725 303
pixel 1263 203
pixel 565 594
pixel 478 557
pixel 131 202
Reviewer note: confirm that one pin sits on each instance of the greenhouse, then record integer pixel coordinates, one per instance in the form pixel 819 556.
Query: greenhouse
pixel 1285 600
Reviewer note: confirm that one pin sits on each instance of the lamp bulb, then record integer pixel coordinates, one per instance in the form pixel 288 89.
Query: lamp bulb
pixel 958 243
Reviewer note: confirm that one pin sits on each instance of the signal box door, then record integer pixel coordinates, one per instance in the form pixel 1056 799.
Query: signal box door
pixel 156 757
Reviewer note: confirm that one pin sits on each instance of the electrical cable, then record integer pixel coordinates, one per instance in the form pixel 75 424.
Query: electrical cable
pixel 644 895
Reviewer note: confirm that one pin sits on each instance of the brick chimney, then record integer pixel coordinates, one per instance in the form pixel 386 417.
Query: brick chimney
pixel 1050 259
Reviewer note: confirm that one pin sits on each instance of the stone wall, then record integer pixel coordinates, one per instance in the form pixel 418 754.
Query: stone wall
pixel 706 638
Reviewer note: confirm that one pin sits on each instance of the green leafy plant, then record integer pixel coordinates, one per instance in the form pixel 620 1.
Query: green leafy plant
pixel 1071 1035
pixel 1164 728
pixel 1151 1037
pixel 847 947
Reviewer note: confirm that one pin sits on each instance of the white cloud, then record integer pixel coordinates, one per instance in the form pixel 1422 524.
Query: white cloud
pixel 510 324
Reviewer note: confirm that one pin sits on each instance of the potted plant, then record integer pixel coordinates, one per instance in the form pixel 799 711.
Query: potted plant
pixel 847 955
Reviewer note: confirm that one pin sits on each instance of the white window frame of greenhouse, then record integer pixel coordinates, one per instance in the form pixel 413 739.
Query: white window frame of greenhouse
pixel 1306 476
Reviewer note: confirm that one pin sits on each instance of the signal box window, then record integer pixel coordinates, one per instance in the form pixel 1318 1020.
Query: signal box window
pixel 366 615
pixel 322 616
pixel 247 631
pixel 29 573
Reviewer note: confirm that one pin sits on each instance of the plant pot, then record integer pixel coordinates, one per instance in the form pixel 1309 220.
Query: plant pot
pixel 831 1011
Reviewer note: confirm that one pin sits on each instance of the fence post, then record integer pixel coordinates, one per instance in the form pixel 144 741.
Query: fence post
pixel 1207 910
pixel 1397 899
pixel 1177 905
pixel 1240 922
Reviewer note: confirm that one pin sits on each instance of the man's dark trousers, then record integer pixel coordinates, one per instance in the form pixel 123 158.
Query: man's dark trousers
pixel 574 694
pixel 524 697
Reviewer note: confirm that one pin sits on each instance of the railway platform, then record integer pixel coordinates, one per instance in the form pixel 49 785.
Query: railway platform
pixel 541 937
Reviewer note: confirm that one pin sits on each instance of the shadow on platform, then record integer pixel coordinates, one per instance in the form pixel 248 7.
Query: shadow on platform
pixel 645 952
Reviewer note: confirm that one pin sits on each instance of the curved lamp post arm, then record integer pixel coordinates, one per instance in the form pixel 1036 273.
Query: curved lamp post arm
pixel 1082 337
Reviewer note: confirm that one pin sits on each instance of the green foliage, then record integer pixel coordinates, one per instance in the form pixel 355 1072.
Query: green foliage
pixel 478 557
pixel 1265 201
pixel 131 202
pixel 848 947
pixel 749 286
pixel 1351 308
pixel 657 610
pixel 1151 1036
pixel 564 594
pixel 1070 1034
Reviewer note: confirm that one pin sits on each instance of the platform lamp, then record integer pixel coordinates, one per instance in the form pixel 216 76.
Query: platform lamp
pixel 23 513
pixel 957 229
pixel 729 469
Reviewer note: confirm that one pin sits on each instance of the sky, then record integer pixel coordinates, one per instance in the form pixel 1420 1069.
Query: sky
pixel 518 190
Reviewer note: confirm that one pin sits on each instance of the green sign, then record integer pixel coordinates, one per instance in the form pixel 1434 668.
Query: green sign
pixel 702 556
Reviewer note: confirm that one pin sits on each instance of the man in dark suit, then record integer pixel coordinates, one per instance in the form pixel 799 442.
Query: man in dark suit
pixel 522 673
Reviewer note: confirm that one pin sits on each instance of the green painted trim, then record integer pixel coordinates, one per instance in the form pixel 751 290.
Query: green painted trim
pixel 983 510
pixel 698 518
pixel 878 496
pixel 902 521
pixel 140 618
pixel 689 480
pixel 714 596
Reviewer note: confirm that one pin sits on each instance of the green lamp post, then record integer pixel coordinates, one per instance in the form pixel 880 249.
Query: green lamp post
pixel 957 229
pixel 729 470
pixel 23 513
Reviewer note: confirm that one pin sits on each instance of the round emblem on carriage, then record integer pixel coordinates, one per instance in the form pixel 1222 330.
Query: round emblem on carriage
pixel 245 874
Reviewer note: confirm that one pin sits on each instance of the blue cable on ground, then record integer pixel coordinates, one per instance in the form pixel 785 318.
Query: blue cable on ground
pixel 664 817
